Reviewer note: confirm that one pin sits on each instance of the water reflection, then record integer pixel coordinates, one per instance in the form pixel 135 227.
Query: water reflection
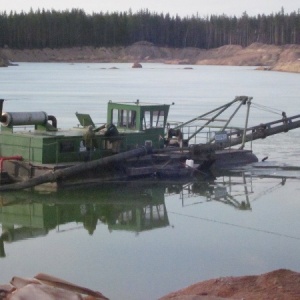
pixel 233 190
pixel 121 206
pixel 131 206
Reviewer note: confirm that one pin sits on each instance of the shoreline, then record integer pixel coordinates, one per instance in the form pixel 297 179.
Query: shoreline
pixel 265 57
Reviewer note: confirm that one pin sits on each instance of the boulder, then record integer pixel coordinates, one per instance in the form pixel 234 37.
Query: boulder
pixel 137 65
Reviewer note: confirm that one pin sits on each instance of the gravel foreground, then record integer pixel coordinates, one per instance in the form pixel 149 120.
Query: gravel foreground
pixel 279 284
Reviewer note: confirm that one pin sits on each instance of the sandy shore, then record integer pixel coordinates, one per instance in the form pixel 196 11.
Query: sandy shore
pixel 266 57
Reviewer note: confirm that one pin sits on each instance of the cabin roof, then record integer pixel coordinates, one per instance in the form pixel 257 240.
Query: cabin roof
pixel 137 104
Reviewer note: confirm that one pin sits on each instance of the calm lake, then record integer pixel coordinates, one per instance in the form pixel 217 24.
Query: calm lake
pixel 144 239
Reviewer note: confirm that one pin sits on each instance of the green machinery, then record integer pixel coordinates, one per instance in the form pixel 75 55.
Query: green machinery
pixel 34 135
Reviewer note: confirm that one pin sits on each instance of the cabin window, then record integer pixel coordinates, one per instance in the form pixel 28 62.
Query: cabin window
pixel 122 118
pixel 147 120
pixel 115 115
pixel 153 119
pixel 132 119
pixel 158 118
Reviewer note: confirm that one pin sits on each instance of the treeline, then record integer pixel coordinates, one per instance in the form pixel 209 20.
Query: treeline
pixel 58 29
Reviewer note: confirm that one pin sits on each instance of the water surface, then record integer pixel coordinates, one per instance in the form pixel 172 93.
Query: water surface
pixel 142 240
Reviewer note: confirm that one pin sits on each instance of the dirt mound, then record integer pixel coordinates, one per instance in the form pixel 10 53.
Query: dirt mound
pixel 289 59
pixel 279 284
pixel 254 55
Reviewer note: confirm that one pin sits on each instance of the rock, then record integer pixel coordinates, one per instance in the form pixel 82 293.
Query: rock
pixel 136 65
pixel 44 286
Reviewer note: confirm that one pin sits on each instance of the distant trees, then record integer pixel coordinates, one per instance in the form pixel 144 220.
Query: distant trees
pixel 71 28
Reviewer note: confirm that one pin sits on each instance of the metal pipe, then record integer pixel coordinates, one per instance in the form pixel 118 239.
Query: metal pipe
pixel 211 120
pixel 76 169
pixel 246 123
pixel 231 117
pixel 24 118
pixel 239 98
pixel 234 113
pixel 53 120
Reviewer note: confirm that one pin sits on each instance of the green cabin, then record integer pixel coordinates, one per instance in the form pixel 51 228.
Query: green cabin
pixel 34 136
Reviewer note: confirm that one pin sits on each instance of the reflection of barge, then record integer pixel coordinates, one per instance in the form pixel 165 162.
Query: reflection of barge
pixel 136 141
pixel 134 206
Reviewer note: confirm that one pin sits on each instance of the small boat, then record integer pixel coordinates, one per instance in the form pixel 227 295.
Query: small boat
pixel 137 140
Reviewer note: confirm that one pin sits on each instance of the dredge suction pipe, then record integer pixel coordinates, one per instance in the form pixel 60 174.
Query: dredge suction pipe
pixel 75 169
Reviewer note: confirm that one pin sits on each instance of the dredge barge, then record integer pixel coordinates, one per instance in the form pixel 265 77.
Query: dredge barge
pixel 136 140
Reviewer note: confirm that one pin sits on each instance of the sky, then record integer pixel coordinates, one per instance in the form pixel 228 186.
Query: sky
pixel 181 8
